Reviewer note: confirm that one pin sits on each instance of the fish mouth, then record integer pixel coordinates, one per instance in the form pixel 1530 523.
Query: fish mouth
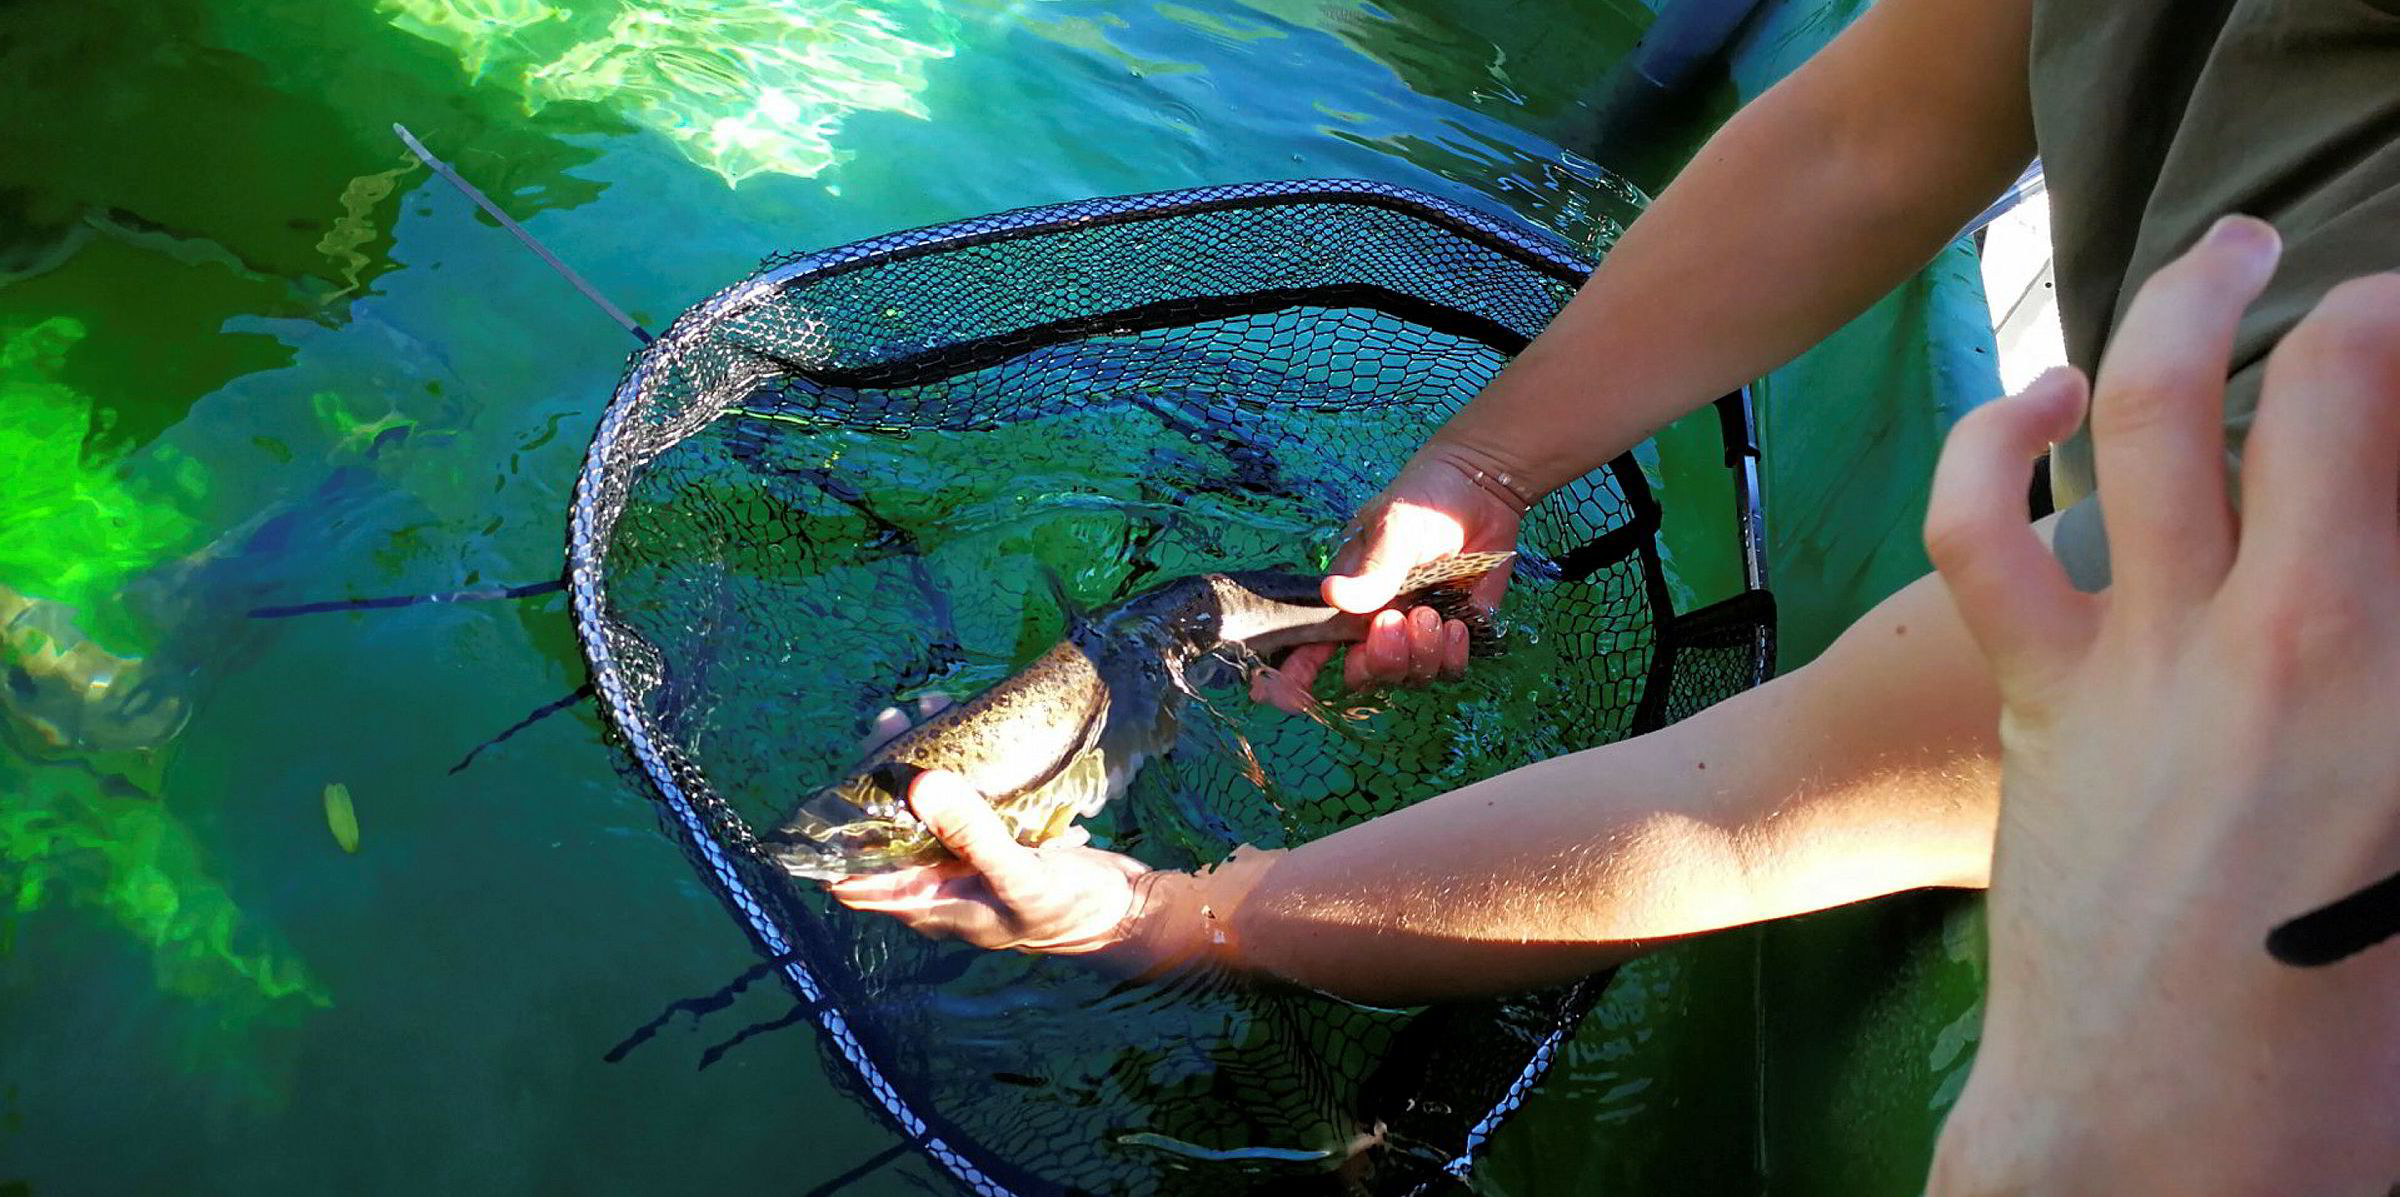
pixel 830 836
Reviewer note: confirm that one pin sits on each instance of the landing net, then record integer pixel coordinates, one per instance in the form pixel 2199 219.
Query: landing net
pixel 838 483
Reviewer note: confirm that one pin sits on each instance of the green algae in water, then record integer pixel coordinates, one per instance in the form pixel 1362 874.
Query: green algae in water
pixel 341 817
pixel 71 836
pixel 354 228
pixel 78 527
pixel 92 830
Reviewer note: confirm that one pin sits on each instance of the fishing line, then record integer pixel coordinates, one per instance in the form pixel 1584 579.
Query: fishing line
pixel 699 1007
pixel 493 210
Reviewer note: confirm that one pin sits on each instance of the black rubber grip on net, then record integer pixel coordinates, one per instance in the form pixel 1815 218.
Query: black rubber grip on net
pixel 2337 932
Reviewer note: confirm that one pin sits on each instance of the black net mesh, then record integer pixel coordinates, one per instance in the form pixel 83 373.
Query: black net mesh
pixel 837 485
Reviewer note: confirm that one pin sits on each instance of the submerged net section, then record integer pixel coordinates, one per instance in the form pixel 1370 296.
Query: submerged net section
pixel 840 483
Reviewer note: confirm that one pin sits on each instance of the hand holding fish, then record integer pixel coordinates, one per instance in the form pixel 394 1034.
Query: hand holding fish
pixel 962 825
pixel 1061 737
pixel 1442 502
pixel 1061 897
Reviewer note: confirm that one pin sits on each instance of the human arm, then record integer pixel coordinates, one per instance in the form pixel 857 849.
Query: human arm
pixel 1810 204
pixel 2191 759
pixel 1865 772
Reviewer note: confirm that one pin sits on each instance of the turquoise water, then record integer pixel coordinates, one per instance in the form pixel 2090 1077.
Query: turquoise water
pixel 250 353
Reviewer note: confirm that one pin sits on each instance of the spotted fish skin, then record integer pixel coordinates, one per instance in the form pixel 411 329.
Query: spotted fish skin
pixel 1060 738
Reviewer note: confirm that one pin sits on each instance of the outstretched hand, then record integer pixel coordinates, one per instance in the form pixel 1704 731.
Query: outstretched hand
pixel 1063 897
pixel 1441 503
pixel 2191 758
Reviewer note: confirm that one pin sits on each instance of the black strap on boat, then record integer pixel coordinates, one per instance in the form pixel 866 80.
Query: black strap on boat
pixel 2334 933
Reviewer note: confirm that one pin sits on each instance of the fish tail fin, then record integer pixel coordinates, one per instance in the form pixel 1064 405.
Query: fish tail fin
pixel 1447 584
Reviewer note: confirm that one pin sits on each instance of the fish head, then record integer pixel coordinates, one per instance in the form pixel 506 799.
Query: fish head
pixel 860 824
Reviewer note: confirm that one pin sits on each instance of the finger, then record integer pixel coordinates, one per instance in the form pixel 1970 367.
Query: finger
pixel 1402 537
pixel 1354 670
pixel 899 885
pixel 1300 667
pixel 1289 686
pixel 970 919
pixel 2158 436
pixel 1424 644
pixel 967 825
pixel 885 728
pixel 1454 649
pixel 2011 592
pixel 891 721
pixel 1383 656
pixel 1486 593
pixel 935 886
pixel 2323 479
pixel 1354 540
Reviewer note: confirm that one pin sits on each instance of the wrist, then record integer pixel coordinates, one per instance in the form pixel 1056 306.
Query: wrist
pixel 1492 471
pixel 1181 921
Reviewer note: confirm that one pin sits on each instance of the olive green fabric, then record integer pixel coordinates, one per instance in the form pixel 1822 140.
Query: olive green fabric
pixel 2155 118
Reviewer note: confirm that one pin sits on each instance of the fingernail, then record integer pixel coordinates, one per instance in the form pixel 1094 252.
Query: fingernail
pixel 931 794
pixel 2254 239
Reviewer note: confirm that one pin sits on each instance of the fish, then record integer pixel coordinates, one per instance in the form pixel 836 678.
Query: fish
pixel 1059 739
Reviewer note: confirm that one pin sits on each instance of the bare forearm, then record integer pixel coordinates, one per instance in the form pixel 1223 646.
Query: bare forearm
pixel 1497 887
pixel 1868 772
pixel 1812 203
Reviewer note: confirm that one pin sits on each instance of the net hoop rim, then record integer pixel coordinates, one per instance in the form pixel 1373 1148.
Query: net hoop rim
pixel 589 523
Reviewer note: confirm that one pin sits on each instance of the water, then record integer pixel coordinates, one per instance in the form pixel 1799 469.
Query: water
pixel 250 353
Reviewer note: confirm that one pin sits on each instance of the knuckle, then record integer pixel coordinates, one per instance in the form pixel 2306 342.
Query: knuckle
pixel 2373 299
pixel 2134 403
pixel 2306 627
pixel 2354 330
pixel 962 838
pixel 2194 282
pixel 1954 538
pixel 2187 272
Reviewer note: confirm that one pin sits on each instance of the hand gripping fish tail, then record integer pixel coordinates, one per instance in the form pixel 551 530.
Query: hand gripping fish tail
pixel 1446 585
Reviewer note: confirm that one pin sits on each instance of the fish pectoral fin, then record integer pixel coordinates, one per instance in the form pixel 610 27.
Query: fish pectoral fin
pixel 1221 735
pixel 1060 820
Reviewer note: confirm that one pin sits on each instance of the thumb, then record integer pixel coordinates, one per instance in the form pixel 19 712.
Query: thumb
pixel 2008 588
pixel 1405 536
pixel 967 825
